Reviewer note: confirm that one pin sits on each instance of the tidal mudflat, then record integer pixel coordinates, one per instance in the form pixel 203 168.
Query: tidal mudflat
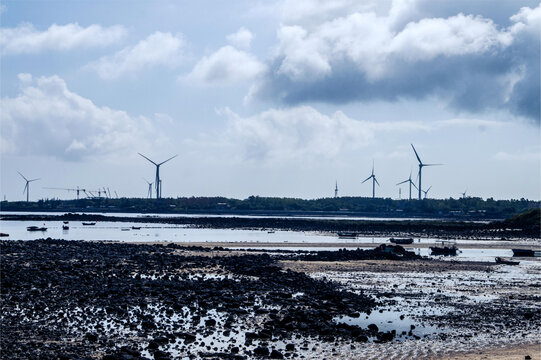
pixel 104 300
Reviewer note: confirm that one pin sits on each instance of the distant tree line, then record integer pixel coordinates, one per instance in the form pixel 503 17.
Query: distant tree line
pixel 470 207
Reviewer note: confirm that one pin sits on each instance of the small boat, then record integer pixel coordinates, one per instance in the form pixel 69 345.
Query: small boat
pixel 136 228
pixel 526 253
pixel 36 228
pixel 500 260
pixel 401 241
pixel 65 227
pixel 89 223
pixel 3 234
pixel 66 222
pixel 270 232
pixel 347 235
pixel 125 229
pixel 446 249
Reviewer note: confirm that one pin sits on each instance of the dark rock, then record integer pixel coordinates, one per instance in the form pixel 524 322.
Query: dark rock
pixel 373 327
pixel 261 351
pixel 92 337
pixel 275 354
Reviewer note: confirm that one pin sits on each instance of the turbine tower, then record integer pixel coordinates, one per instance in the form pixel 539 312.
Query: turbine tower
pixel 157 182
pixel 27 186
pixel 149 195
pixel 421 165
pixel 374 181
pixel 410 183
pixel 336 190
pixel 427 190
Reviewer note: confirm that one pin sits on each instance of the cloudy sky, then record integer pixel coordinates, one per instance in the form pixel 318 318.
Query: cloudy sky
pixel 271 98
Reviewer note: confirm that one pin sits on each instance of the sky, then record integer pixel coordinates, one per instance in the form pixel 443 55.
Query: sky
pixel 270 98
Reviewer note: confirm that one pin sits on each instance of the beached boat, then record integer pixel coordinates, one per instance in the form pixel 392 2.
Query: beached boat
pixel 89 223
pixel 526 253
pixel 3 234
pixel 136 228
pixel 36 228
pixel 66 222
pixel 446 249
pixel 347 235
pixel 125 229
pixel 65 227
pixel 401 241
pixel 500 260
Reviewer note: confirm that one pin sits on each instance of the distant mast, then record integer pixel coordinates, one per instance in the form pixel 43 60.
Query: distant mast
pixel 336 190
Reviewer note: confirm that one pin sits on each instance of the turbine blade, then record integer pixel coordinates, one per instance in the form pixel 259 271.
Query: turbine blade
pixel 368 178
pixel 163 162
pixel 432 164
pixel 25 188
pixel 148 159
pixel 376 180
pixel 415 151
pixel 416 188
pixel 34 179
pixel 22 176
pixel 427 190
pixel 405 181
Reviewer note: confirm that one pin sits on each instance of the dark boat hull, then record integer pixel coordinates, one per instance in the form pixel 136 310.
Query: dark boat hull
pixel 525 253
pixel 401 241
pixel 35 228
pixel 499 260
pixel 443 250
pixel 344 235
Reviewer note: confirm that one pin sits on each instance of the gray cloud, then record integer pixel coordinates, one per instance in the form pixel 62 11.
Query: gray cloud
pixel 468 61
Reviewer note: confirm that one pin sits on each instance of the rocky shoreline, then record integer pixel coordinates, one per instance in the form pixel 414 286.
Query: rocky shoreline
pixel 104 300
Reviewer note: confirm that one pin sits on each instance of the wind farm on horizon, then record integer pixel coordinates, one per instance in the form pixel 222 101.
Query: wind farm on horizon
pixel 154 188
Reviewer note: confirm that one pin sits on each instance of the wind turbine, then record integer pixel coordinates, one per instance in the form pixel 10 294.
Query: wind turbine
pixel 336 190
pixel 464 194
pixel 158 182
pixel 427 190
pixel 27 186
pixel 410 183
pixel 149 196
pixel 421 165
pixel 374 181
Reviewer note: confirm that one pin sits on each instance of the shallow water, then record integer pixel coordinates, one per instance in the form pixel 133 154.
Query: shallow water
pixel 154 215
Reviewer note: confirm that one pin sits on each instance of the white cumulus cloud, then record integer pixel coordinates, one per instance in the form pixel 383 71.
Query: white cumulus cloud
pixel 158 49
pixel 46 118
pixel 303 133
pixel 226 66
pixel 241 39
pixel 26 39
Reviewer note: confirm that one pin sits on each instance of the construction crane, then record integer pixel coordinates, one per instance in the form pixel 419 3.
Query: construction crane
pixel 78 190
